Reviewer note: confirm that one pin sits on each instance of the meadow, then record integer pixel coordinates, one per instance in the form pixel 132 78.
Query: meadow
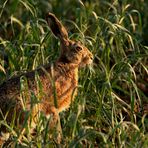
pixel 111 108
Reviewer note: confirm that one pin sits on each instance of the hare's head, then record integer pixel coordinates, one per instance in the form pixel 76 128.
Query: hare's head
pixel 71 51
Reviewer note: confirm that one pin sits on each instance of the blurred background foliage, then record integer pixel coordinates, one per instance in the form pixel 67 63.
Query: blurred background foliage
pixel 112 98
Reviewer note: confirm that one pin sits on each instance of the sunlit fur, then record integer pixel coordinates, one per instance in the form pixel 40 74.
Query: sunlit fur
pixel 58 81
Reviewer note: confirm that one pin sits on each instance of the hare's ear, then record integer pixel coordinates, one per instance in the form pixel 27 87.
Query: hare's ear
pixel 56 27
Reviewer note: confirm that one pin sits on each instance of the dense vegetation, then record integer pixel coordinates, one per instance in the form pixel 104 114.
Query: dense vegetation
pixel 112 103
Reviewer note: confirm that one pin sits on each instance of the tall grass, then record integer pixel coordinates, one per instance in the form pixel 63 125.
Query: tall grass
pixel 111 107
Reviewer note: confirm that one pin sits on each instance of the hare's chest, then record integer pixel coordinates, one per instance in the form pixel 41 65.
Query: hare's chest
pixel 66 86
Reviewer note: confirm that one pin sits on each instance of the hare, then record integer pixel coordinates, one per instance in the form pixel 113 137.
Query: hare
pixel 58 81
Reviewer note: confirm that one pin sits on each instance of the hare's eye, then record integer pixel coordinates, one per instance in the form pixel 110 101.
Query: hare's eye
pixel 78 48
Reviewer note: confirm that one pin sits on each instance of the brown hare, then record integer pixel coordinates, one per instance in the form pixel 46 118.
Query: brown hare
pixel 58 81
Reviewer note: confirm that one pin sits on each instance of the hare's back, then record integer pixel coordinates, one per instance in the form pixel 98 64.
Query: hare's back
pixel 9 88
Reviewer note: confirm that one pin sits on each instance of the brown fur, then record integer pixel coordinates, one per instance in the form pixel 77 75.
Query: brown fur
pixel 58 81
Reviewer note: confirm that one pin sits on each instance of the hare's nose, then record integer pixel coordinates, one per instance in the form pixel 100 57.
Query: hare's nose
pixel 91 57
